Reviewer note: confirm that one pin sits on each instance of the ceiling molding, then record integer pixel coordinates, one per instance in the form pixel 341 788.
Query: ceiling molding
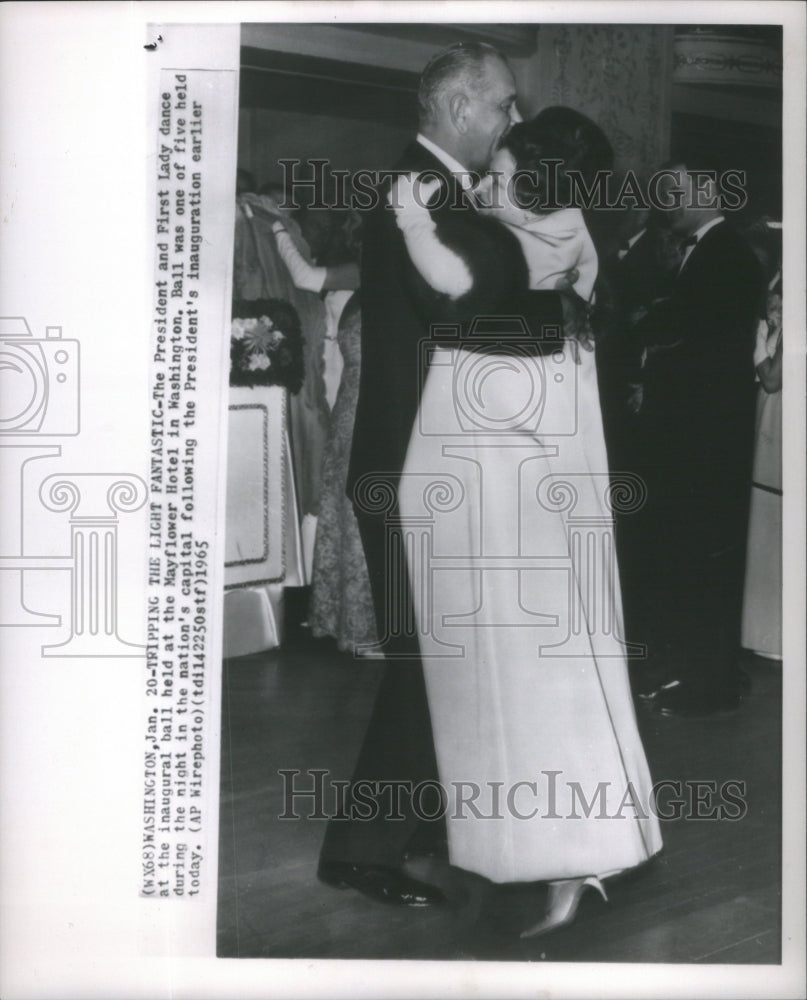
pixel 710 59
pixel 512 39
pixel 291 82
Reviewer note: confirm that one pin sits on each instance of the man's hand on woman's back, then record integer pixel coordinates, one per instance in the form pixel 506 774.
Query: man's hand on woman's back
pixel 576 322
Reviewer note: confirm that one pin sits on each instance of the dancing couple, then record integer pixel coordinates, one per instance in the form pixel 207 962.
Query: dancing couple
pixel 480 483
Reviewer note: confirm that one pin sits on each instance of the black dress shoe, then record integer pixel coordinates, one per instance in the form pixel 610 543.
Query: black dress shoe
pixel 387 885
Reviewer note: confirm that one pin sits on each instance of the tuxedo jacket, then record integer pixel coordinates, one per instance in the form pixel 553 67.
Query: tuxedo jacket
pixel 624 284
pixel 400 311
pixel 635 280
pixel 699 393
pixel 640 276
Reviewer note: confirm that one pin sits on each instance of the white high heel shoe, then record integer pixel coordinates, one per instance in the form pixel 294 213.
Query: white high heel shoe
pixel 564 899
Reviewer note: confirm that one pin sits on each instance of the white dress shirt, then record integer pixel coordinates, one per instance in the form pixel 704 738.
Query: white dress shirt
pixel 621 254
pixel 462 173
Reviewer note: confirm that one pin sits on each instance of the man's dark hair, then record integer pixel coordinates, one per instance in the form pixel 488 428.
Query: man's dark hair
pixel 462 62
pixel 689 163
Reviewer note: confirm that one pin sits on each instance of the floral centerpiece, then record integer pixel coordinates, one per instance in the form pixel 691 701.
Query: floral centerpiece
pixel 266 344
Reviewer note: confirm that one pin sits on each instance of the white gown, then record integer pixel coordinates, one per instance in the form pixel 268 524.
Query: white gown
pixel 762 601
pixel 511 556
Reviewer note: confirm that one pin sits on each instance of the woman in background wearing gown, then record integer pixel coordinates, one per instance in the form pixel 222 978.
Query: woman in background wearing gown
pixel 341 605
pixel 762 601
pixel 525 667
pixel 341 602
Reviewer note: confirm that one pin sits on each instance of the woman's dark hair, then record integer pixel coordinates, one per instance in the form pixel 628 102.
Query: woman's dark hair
pixel 333 234
pixel 344 244
pixel 244 182
pixel 559 134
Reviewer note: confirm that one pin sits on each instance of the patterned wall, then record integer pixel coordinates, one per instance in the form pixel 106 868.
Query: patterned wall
pixel 619 75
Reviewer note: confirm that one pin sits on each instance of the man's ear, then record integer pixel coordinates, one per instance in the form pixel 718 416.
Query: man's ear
pixel 459 110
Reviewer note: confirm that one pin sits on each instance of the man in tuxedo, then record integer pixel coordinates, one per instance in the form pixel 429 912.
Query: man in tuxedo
pixel 636 274
pixel 467 101
pixel 697 423
pixel 631 278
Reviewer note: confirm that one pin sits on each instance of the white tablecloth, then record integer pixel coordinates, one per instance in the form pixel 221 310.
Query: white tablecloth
pixel 263 549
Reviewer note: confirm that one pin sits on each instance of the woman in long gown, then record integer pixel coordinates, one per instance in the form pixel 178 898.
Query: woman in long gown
pixel 334 277
pixel 341 602
pixel 762 601
pixel 505 496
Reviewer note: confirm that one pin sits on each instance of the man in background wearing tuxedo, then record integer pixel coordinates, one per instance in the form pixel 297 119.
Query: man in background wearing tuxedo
pixel 633 278
pixel 467 101
pixel 697 425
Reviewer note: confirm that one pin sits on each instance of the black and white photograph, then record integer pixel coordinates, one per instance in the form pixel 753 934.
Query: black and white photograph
pixel 402 543
pixel 516 691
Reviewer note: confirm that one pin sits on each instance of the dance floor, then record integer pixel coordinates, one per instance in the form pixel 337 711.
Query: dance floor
pixel 712 896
